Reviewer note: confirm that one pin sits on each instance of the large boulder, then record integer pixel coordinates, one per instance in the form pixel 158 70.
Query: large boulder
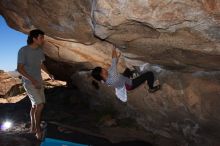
pixel 179 37
pixel 9 86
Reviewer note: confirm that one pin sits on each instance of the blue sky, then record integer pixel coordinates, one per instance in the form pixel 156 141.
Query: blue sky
pixel 10 42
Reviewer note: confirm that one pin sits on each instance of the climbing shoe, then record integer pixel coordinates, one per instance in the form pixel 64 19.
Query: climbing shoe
pixel 154 89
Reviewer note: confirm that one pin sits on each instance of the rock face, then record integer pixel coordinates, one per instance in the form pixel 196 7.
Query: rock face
pixel 169 33
pixel 180 36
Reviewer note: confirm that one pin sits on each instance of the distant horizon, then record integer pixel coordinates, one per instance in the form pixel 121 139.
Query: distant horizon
pixel 11 41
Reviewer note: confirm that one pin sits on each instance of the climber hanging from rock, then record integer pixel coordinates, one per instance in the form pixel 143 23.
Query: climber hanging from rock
pixel 121 82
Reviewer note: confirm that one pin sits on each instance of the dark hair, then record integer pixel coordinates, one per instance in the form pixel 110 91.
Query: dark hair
pixel 95 84
pixel 96 73
pixel 34 34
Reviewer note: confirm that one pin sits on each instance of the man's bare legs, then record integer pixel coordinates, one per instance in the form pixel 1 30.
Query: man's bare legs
pixel 39 109
pixel 33 124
